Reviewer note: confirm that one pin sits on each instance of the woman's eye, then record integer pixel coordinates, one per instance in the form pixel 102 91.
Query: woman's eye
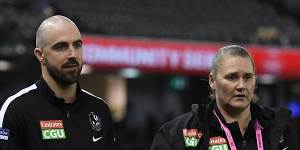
pixel 231 77
pixel 248 77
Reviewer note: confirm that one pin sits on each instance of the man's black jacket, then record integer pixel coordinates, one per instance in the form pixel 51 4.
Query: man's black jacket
pixel 35 119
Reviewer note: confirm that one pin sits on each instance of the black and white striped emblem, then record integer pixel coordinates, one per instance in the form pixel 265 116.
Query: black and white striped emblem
pixel 95 121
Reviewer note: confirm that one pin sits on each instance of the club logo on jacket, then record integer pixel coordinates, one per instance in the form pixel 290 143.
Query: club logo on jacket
pixel 191 137
pixel 218 143
pixel 95 121
pixel 52 129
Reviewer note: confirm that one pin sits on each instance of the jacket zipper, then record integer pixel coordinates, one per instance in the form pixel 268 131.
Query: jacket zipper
pixel 68 114
pixel 244 143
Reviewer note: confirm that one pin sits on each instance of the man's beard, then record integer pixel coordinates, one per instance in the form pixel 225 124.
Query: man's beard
pixel 64 77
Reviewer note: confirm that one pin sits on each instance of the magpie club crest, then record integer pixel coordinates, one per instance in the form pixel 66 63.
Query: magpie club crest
pixel 95 121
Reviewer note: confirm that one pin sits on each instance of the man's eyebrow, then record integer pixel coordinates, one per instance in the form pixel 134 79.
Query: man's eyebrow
pixel 78 41
pixel 246 73
pixel 249 73
pixel 64 42
pixel 61 42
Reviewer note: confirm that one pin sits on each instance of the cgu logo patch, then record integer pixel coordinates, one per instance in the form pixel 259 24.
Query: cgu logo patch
pixel 191 137
pixel 52 129
pixel 218 143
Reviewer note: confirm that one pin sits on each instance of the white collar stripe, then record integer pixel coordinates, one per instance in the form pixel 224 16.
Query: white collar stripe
pixel 10 99
pixel 93 95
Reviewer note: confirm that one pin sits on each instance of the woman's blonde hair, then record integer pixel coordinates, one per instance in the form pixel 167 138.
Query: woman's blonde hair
pixel 231 50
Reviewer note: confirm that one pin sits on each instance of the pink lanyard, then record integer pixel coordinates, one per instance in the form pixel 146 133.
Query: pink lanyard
pixel 230 139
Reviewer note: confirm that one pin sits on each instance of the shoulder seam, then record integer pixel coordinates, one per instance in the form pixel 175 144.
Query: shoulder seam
pixel 93 95
pixel 12 98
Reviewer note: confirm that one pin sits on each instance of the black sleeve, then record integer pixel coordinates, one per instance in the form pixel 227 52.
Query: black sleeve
pixel 14 141
pixel 291 137
pixel 170 135
pixel 161 141
pixel 112 139
pixel 110 133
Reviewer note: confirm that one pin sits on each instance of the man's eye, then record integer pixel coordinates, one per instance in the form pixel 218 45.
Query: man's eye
pixel 61 46
pixel 78 45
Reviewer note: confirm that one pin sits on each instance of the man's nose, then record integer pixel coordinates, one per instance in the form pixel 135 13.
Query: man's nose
pixel 72 51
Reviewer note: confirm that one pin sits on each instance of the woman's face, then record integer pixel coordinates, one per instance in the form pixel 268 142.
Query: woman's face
pixel 234 83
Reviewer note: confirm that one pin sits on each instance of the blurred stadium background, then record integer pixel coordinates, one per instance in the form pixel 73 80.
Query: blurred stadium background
pixel 149 59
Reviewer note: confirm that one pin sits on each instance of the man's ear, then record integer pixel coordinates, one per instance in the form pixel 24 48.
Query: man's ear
pixel 211 79
pixel 39 55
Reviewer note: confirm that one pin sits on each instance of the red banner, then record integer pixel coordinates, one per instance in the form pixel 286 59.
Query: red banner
pixel 181 57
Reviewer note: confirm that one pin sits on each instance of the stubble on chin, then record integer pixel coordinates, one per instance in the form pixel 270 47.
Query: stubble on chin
pixel 63 76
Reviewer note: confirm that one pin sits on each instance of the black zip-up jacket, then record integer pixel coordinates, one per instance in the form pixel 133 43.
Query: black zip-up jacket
pixel 35 119
pixel 200 130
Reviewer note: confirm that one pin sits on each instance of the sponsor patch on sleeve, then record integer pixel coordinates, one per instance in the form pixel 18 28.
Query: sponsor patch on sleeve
pixel 4 134
pixel 191 137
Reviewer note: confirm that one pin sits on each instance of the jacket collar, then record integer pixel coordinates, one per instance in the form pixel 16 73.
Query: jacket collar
pixel 215 123
pixel 48 94
pixel 264 115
